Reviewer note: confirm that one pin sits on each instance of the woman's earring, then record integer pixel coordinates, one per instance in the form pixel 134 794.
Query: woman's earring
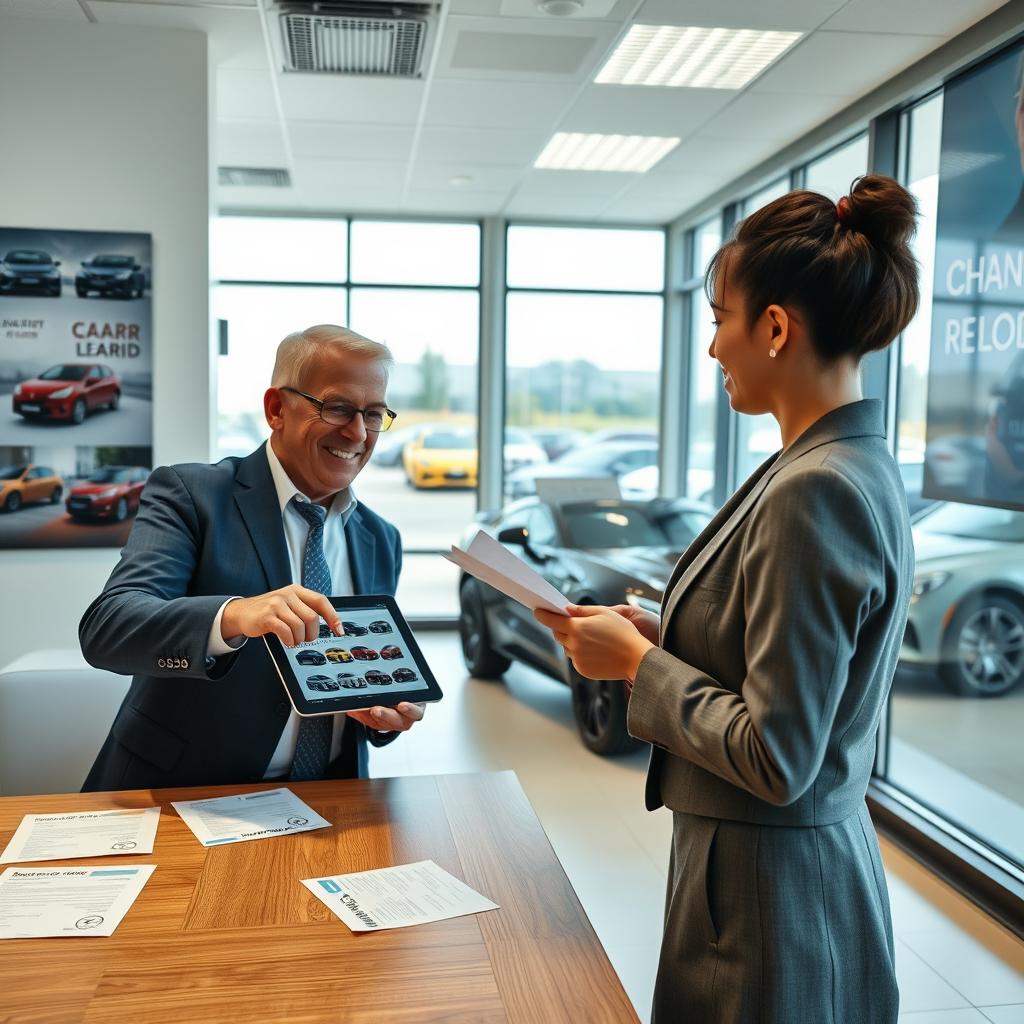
pixel 771 353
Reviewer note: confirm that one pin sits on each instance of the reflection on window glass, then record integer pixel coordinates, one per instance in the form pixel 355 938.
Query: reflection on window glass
pixel 397 252
pixel 604 259
pixel 705 377
pixel 586 366
pixel 259 318
pixel 833 174
pixel 958 696
pixel 278 249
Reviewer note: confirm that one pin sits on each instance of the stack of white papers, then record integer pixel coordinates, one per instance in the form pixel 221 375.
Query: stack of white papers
pixel 397 897
pixel 239 819
pixel 495 565
pixel 83 834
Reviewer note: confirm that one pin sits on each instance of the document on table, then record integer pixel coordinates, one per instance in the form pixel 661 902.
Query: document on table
pixel 237 819
pixel 83 834
pixel 494 564
pixel 397 897
pixel 40 903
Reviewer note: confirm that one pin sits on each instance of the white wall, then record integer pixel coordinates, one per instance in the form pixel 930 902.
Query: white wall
pixel 105 128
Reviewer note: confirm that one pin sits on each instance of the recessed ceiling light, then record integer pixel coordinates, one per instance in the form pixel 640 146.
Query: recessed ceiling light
pixel 560 8
pixel 460 180
pixel 695 58
pixel 575 151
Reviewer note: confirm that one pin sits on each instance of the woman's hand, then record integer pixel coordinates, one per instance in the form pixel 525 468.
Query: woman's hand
pixel 647 623
pixel 602 643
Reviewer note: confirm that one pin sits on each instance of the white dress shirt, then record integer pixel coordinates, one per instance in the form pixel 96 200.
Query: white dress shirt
pixel 296 530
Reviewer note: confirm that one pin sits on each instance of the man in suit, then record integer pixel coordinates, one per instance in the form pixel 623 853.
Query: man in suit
pixel 220 554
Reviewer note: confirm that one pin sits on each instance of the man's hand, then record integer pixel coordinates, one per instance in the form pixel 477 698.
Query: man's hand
pixel 397 719
pixel 647 623
pixel 292 614
pixel 601 643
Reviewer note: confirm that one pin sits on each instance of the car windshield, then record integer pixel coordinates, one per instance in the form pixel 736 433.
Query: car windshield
pixel 597 457
pixel 593 527
pixel 112 261
pixel 27 256
pixel 974 521
pixel 12 472
pixel 66 372
pixel 109 476
pixel 449 440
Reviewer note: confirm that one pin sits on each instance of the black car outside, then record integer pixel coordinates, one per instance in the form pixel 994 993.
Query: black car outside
pixel 595 552
pixel 111 275
pixel 29 272
pixel 310 658
pixel 354 629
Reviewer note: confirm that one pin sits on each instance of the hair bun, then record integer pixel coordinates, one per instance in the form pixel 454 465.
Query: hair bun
pixel 881 209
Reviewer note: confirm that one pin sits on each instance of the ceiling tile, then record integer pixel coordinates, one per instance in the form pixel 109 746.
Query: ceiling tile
pixel 438 177
pixel 529 9
pixel 349 141
pixel 484 8
pixel 640 110
pixel 482 146
pixel 462 204
pixel 724 157
pixel 786 15
pixel 235 34
pixel 569 183
pixel 250 144
pixel 776 118
pixel 643 210
pixel 554 207
pixel 333 198
pixel 348 98
pixel 845 64
pixel 483 104
pixel 912 17
pixel 237 197
pixel 244 93
pixel 357 174
pixel 61 10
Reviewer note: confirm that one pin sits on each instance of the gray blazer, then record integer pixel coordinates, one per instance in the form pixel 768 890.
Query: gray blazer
pixel 780 630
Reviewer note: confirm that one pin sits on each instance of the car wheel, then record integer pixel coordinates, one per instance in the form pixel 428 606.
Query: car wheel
pixel 121 510
pixel 78 411
pixel 13 502
pixel 81 292
pixel 58 493
pixel 983 653
pixel 55 292
pixel 481 660
pixel 600 710
pixel 114 399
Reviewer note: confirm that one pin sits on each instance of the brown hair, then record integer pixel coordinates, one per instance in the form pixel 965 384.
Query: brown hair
pixel 846 267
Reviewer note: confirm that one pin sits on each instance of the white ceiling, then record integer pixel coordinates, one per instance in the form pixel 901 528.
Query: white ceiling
pixel 502 79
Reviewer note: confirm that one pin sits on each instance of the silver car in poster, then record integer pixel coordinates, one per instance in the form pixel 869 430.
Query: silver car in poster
pixel 967 611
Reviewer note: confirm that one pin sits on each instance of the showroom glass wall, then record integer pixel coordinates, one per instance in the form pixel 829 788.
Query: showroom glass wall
pixel 583 345
pixel 414 286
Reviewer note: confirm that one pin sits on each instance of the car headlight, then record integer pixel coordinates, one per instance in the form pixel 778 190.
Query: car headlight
pixel 63 393
pixel 108 493
pixel 17 389
pixel 926 583
pixel 124 276
pixel 645 604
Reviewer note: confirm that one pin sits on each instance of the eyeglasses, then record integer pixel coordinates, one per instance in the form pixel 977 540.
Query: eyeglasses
pixel 341 414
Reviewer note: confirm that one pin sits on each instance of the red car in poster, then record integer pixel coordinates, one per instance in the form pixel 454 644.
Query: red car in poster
pixel 69 391
pixel 109 493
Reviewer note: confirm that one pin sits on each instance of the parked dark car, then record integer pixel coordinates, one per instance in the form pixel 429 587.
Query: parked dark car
pixel 112 492
pixel 322 683
pixel 325 632
pixel 29 272
pixel 351 682
pixel 404 675
pixel 378 678
pixel 610 458
pixel 111 275
pixel 68 391
pixel 364 654
pixel 354 629
pixel 595 552
pixel 391 652
pixel 380 626
pixel 310 658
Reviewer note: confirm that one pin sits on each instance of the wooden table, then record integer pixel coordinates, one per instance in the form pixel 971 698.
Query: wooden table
pixel 229 933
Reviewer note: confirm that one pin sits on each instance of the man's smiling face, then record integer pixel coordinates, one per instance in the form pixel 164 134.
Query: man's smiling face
pixel 320 458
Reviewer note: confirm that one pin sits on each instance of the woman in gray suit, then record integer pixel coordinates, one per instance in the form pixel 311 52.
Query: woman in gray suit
pixel 761 686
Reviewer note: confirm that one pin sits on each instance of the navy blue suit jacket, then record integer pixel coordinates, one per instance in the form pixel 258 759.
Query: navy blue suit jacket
pixel 204 534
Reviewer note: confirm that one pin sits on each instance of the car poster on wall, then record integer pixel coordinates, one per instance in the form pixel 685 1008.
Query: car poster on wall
pixel 975 424
pixel 76 385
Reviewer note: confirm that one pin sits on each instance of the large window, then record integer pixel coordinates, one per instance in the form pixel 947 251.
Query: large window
pixel 583 355
pixel 413 286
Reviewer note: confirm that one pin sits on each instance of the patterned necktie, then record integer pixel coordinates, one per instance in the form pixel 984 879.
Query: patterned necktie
pixel 313 745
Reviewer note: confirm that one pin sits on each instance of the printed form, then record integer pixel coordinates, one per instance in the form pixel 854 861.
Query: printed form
pixel 239 819
pixel 83 834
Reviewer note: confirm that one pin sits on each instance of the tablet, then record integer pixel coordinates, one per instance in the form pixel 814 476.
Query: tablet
pixel 377 661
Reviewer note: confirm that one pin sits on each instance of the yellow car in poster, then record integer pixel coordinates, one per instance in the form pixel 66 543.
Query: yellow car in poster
pixel 441 457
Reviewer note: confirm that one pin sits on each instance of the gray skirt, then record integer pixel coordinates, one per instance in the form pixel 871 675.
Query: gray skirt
pixel 770 925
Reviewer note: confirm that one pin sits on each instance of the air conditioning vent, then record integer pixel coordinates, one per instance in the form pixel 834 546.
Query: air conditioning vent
pixel 268 177
pixel 361 37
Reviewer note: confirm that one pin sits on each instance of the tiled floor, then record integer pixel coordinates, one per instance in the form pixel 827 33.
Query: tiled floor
pixel 955 966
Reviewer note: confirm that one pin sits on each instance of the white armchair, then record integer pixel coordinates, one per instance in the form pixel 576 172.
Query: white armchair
pixel 55 712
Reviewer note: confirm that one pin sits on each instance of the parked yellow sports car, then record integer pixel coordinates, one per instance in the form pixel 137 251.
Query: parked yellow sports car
pixel 441 458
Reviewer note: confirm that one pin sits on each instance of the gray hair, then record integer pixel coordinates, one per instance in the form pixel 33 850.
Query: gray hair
pixel 300 350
